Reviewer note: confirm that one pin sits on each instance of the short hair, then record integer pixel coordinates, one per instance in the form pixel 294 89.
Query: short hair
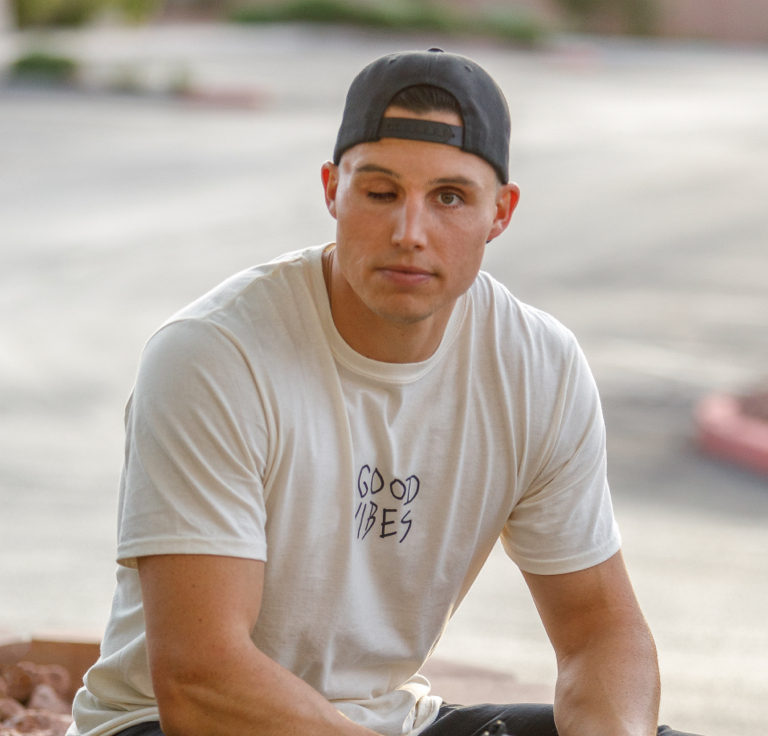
pixel 423 98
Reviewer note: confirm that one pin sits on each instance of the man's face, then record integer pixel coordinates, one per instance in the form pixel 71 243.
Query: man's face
pixel 413 218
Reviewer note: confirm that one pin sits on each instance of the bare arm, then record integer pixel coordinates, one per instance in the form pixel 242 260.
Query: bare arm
pixel 209 678
pixel 608 680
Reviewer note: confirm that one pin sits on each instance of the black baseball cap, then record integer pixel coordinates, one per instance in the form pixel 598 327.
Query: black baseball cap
pixel 484 110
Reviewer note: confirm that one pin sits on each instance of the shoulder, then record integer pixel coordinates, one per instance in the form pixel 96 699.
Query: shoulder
pixel 260 324
pixel 266 281
pixel 517 328
pixel 251 307
pixel 529 354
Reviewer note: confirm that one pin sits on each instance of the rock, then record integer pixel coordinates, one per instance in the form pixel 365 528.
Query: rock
pixel 18 683
pixel 48 674
pixel 44 689
pixel 10 708
pixel 44 697
pixel 31 721
pixel 57 677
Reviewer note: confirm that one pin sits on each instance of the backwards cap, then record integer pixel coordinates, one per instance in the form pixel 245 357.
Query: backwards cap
pixel 484 111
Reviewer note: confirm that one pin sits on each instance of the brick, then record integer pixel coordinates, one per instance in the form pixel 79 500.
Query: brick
pixel 12 649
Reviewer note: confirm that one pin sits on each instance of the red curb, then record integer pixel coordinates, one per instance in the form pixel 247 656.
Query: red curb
pixel 724 431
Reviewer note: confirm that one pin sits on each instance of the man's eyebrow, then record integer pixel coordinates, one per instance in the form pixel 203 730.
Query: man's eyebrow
pixel 458 180
pixel 376 169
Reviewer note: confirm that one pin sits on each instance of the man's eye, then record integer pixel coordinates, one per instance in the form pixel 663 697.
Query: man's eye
pixel 449 198
pixel 381 196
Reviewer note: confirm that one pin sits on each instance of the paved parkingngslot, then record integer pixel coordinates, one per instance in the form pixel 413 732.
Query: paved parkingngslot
pixel 643 227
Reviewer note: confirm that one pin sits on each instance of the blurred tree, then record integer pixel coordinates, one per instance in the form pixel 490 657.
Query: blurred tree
pixel 509 21
pixel 138 11
pixel 37 13
pixel 53 12
pixel 45 68
pixel 637 17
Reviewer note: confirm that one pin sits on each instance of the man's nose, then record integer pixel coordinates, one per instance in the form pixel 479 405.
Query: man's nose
pixel 410 229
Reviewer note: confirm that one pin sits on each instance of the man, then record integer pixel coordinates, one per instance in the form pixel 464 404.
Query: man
pixel 321 453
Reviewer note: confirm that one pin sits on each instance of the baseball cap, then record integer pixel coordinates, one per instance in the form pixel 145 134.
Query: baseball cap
pixel 484 110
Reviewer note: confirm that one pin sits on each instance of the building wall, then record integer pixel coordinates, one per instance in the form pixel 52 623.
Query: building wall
pixel 5 15
pixel 727 20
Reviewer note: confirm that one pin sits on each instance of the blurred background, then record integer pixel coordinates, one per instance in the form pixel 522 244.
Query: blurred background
pixel 148 150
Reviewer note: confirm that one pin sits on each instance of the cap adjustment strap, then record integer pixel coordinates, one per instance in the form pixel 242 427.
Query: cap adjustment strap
pixel 422 130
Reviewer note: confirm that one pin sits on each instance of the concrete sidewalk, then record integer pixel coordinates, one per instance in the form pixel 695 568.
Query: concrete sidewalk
pixel 642 227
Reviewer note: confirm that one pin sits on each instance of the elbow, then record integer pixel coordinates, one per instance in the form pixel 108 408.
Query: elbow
pixel 180 700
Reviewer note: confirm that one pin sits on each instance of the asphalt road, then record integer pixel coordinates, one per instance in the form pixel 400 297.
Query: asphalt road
pixel 642 226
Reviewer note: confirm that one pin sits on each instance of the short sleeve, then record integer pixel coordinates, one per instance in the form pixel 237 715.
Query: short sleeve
pixel 564 519
pixel 195 450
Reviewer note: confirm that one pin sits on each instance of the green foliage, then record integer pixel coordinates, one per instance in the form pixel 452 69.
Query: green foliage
pixel 45 13
pixel 54 12
pixel 138 11
pixel 416 15
pixel 510 24
pixel 637 17
pixel 640 17
pixel 42 67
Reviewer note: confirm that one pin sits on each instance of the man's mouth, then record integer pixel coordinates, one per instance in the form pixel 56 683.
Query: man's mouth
pixel 408 269
pixel 405 275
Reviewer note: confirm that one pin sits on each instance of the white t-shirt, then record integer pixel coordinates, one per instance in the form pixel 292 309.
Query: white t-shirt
pixel 374 491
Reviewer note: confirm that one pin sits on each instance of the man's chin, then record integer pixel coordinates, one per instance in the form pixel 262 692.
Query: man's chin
pixel 404 314
pixel 402 317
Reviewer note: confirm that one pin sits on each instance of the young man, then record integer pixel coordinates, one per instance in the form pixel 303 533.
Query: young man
pixel 322 452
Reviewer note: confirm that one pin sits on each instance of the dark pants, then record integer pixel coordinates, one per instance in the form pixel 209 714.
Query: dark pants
pixel 521 719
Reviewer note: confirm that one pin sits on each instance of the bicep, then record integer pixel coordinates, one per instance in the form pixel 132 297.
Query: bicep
pixel 576 607
pixel 197 608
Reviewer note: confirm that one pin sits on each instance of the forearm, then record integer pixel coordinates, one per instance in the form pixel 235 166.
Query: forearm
pixel 610 687
pixel 208 676
pixel 245 693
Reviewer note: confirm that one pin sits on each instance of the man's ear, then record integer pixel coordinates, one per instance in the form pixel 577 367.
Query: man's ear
pixel 506 200
pixel 330 176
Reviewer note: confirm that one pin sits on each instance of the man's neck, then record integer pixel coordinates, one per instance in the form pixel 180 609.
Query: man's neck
pixel 376 337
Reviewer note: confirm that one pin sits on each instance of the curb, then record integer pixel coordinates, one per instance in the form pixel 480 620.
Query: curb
pixel 725 432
